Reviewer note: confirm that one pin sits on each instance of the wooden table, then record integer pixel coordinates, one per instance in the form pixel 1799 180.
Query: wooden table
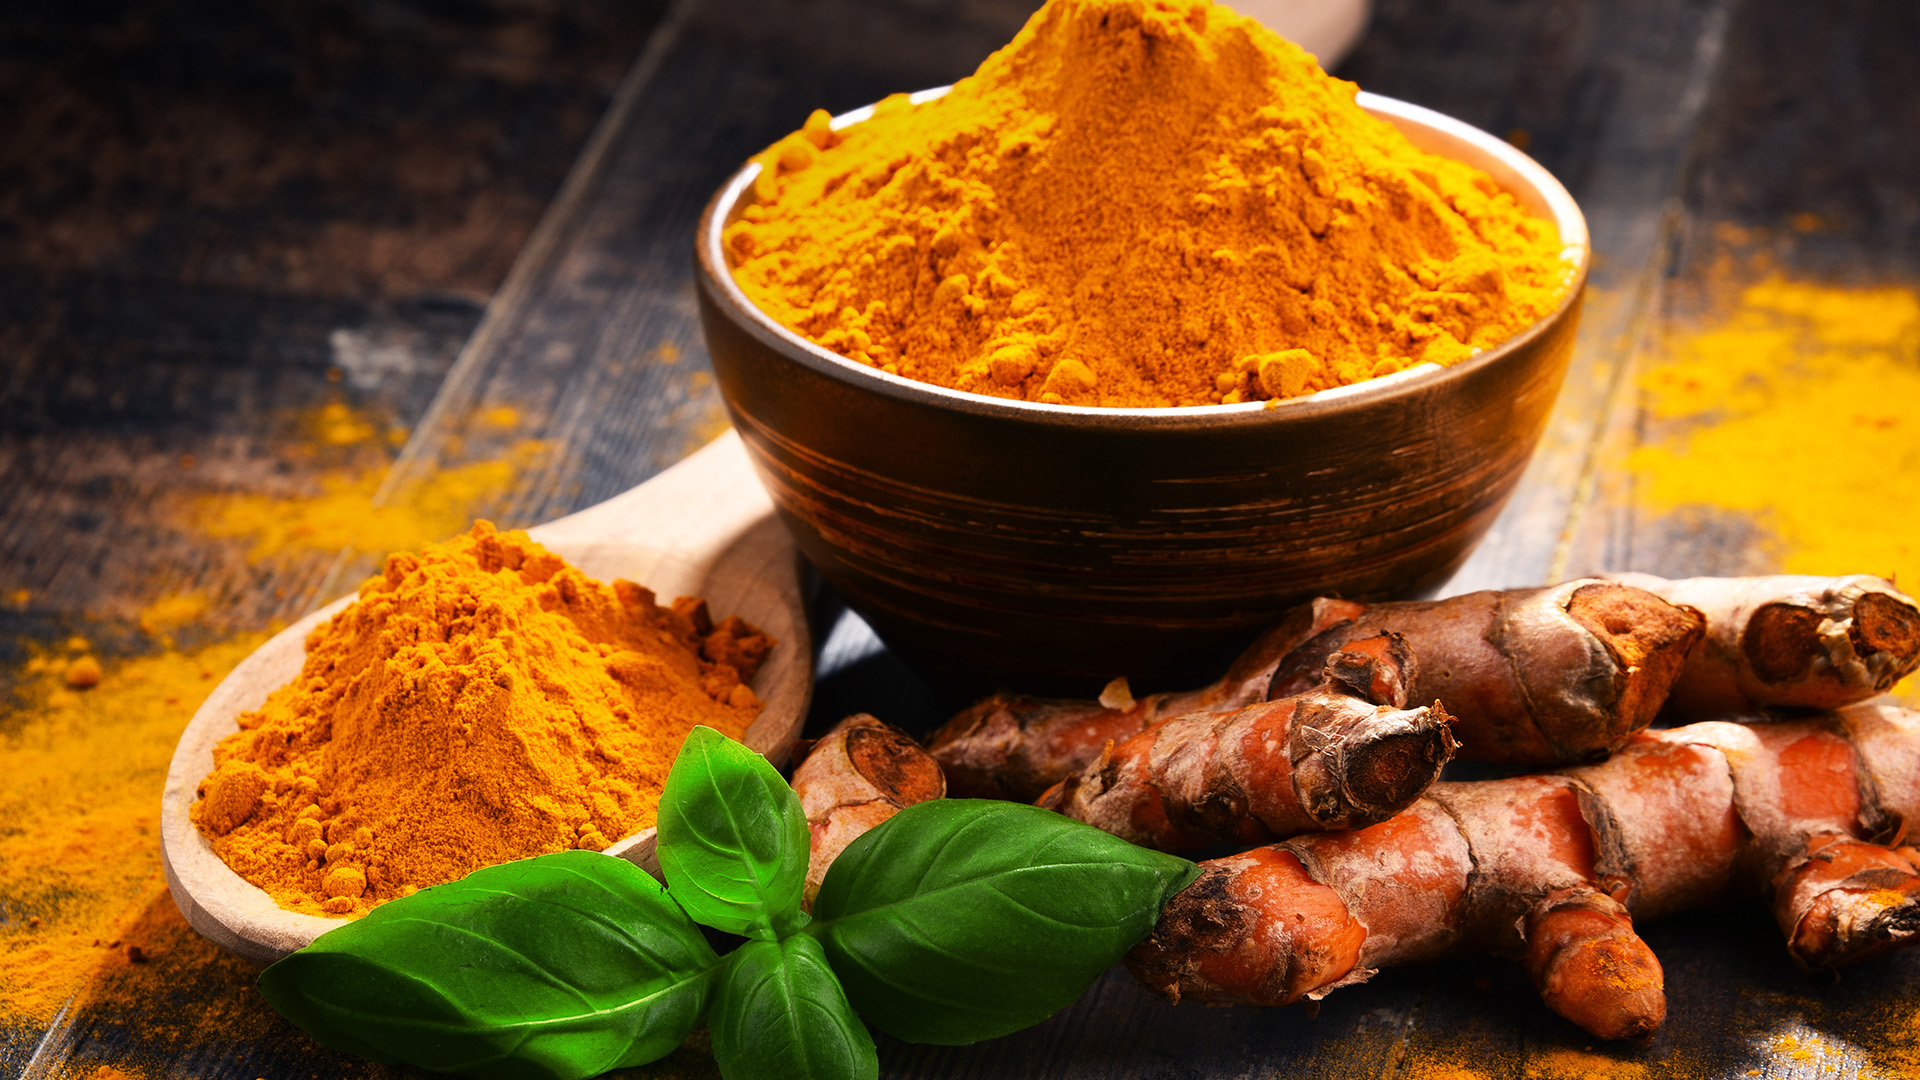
pixel 1664 118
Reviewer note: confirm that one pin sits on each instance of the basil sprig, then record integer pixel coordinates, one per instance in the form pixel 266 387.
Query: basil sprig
pixel 954 921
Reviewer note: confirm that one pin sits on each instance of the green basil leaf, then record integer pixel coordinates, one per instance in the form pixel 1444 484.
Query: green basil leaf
pixel 965 919
pixel 780 1015
pixel 562 966
pixel 733 839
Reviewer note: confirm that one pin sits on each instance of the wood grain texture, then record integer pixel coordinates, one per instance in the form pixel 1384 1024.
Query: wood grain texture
pixel 217 219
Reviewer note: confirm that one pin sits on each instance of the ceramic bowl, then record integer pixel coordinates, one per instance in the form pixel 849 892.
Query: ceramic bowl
pixel 999 543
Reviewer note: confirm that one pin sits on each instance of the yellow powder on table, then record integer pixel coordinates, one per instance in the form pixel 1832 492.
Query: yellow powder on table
pixel 1139 203
pixel 338 424
pixel 84 672
pixel 1899 1059
pixel 1536 1062
pixel 80 846
pixel 1565 1063
pixel 481 702
pixel 172 612
pixel 1429 1068
pixel 1798 409
pixel 342 514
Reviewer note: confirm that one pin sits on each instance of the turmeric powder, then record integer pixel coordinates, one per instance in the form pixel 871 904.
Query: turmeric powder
pixel 481 701
pixel 345 515
pixel 80 853
pixel 1138 203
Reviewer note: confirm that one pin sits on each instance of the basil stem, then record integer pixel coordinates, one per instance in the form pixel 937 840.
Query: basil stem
pixel 966 919
pixel 780 1015
pixel 561 967
pixel 733 839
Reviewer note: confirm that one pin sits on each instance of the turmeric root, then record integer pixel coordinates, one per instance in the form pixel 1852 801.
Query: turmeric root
pixel 859 775
pixel 1344 754
pixel 1011 746
pixel 1530 676
pixel 1799 641
pixel 1553 869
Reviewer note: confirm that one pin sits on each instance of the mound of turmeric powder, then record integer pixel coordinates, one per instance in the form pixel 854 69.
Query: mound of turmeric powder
pixel 481 701
pixel 1138 203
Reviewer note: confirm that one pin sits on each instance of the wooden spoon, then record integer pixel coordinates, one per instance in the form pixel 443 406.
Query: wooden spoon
pixel 702 528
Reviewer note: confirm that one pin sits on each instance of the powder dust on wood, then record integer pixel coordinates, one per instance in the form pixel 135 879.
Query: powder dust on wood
pixel 344 513
pixel 80 841
pixel 481 702
pixel 1794 405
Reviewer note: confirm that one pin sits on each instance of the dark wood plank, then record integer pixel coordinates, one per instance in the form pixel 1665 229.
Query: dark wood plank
pixel 205 211
pixel 595 338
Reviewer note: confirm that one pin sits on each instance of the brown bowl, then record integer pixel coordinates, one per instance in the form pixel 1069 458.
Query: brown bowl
pixel 1015 544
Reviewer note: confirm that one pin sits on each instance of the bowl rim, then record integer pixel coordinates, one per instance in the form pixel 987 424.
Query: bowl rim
pixel 714 272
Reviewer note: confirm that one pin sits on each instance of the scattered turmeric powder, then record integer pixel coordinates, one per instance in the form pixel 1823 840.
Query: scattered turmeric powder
pixel 1788 393
pixel 1900 1057
pixel 172 612
pixel 1442 1070
pixel 1564 1063
pixel 1139 203
pixel 83 672
pixel 1770 410
pixel 80 853
pixel 500 418
pixel 338 424
pixel 1544 1061
pixel 481 702
pixel 343 514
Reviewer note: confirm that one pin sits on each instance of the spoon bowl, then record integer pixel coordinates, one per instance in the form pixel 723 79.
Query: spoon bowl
pixel 702 528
